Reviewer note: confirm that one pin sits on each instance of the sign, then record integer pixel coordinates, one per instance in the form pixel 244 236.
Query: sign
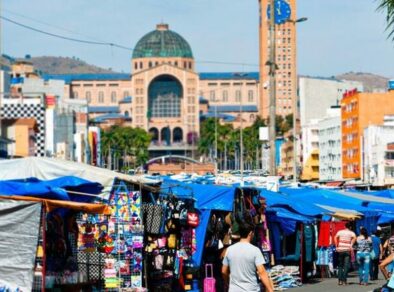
pixel 273 183
pixel 391 84
pixel 263 134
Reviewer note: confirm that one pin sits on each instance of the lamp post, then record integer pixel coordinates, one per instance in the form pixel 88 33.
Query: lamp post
pixel 272 90
pixel 241 142
pixel 295 113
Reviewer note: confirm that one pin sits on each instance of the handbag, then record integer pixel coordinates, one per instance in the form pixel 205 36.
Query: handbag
pixel 152 218
pixel 372 254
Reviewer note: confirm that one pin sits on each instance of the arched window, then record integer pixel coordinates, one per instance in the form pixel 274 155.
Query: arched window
pixel 113 96
pixel 165 93
pixel 176 63
pixel 75 94
pixel 154 132
pixel 88 96
pixel 101 97
pixel 177 135
pixel 166 135
pixel 141 65
pixel 126 94
pixel 135 65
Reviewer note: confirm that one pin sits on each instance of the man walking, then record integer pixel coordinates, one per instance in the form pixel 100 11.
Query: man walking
pixel 242 261
pixel 344 241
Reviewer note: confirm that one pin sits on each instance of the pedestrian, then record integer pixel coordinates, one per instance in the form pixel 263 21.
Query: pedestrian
pixel 243 264
pixel 386 273
pixel 376 255
pixel 344 241
pixel 364 248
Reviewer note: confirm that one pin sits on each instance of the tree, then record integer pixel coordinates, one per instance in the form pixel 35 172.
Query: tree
pixel 125 142
pixel 388 7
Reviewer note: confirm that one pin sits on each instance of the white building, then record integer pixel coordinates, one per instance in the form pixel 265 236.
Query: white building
pixel 330 151
pixel 378 155
pixel 318 94
pixel 309 139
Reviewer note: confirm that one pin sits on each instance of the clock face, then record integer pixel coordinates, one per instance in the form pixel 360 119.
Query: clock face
pixel 282 11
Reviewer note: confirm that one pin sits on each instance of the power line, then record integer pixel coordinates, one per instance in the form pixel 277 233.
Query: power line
pixel 102 43
pixel 64 37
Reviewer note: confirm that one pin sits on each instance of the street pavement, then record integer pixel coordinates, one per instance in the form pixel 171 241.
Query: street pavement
pixel 331 284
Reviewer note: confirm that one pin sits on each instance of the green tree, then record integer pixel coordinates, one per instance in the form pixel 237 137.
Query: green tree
pixel 388 7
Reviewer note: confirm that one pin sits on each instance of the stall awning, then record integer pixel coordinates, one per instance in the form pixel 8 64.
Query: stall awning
pixel 51 205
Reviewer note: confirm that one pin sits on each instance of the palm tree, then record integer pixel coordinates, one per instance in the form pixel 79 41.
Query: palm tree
pixel 388 7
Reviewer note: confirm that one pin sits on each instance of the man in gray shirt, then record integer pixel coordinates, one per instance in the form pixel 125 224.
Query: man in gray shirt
pixel 243 262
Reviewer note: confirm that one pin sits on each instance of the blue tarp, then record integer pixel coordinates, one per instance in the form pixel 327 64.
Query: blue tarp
pixel 51 189
pixel 208 197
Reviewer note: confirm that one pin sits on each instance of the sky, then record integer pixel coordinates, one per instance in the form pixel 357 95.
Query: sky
pixel 339 36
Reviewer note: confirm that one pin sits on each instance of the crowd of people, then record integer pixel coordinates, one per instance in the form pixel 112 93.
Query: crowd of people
pixel 370 253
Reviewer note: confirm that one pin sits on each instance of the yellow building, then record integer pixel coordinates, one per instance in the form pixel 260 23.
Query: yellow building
pixel 310 171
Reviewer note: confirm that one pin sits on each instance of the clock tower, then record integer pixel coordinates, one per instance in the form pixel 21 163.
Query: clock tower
pixel 286 73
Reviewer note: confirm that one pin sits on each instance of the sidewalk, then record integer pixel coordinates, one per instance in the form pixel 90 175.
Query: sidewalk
pixel 331 284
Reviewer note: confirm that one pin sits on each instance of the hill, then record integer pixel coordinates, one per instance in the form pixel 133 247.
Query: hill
pixel 64 65
pixel 371 82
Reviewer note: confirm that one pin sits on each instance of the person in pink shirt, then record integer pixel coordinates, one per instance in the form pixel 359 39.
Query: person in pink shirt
pixel 344 241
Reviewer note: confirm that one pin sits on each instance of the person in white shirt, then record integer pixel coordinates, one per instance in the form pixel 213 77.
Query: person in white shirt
pixel 243 265
pixel 344 241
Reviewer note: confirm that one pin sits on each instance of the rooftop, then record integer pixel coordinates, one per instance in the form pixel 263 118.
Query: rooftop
pixel 68 78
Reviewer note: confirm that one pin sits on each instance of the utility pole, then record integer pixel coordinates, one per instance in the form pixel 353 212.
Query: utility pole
pixel 272 90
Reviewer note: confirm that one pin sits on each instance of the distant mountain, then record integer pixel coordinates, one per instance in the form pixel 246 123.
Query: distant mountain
pixel 63 65
pixel 371 82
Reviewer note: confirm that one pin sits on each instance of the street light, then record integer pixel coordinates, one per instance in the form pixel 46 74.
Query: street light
pixel 295 113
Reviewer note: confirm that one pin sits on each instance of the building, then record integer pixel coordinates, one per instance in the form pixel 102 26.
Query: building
pixel 286 74
pixel 38 118
pixel 358 111
pixel 330 151
pixel 310 150
pixel 318 94
pixel 378 153
pixel 165 95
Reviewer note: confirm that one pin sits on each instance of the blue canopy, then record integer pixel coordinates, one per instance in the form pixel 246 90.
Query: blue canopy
pixel 52 189
pixel 208 197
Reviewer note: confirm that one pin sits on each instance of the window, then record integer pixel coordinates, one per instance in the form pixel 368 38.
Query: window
pixel 101 97
pixel 190 65
pixel 126 93
pixel 113 96
pixel 141 65
pixel 212 95
pixel 88 96
pixel 176 63
pixel 238 95
pixel 225 95
pixel 135 65
pixel 250 95
pixel 75 94
pixel 150 64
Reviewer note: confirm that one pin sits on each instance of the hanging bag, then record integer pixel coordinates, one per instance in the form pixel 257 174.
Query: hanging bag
pixel 153 214
pixel 209 280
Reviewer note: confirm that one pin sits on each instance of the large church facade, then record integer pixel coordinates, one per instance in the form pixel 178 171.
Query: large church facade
pixel 165 95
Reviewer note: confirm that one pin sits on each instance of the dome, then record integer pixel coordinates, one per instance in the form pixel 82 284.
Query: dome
pixel 162 42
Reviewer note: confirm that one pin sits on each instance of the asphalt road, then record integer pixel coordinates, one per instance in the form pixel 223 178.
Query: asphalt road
pixel 331 284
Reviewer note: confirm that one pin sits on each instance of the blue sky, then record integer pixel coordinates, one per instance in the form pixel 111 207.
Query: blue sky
pixel 339 36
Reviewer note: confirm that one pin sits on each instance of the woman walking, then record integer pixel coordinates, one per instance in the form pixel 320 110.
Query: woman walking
pixel 364 247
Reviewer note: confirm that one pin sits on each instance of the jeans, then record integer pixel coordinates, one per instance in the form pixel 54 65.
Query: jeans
pixel 374 269
pixel 343 265
pixel 363 259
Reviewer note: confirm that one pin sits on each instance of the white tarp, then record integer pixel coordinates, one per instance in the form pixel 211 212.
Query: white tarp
pixel 51 168
pixel 19 229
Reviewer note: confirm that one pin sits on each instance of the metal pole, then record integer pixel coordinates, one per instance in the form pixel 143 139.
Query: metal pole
pixel 216 138
pixel 241 139
pixel 272 90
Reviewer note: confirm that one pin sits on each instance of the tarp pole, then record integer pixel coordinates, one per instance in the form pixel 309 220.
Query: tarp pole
pixel 302 252
pixel 44 244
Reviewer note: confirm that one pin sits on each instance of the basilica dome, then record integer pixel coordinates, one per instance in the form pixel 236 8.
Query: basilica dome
pixel 162 42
